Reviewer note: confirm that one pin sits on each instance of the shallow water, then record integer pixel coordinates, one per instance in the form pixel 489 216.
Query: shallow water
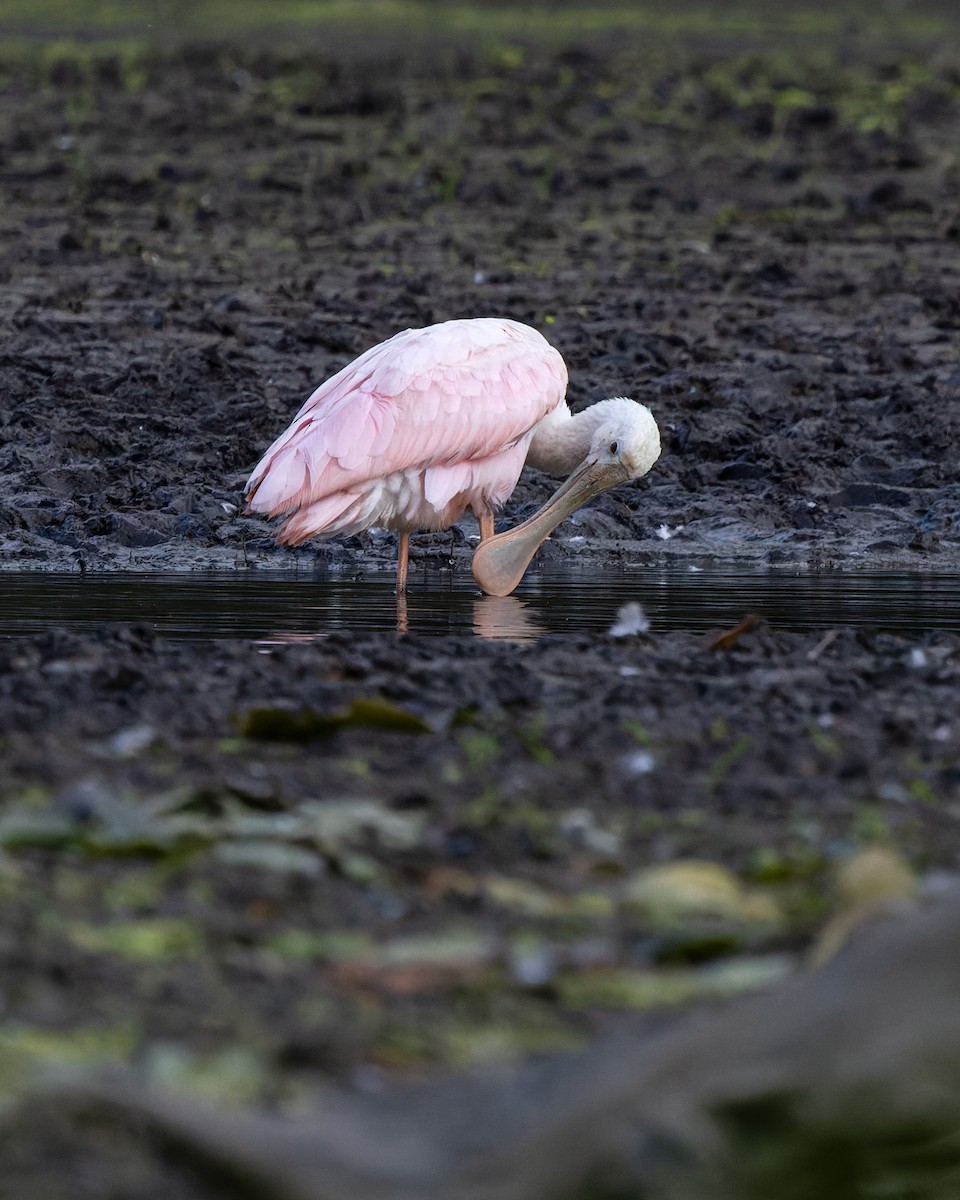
pixel 277 606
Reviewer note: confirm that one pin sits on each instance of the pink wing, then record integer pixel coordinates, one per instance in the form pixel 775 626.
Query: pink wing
pixel 447 395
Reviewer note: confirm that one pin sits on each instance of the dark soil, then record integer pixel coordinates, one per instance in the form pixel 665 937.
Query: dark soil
pixel 759 237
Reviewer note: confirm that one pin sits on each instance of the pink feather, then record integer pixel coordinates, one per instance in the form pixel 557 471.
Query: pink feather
pixel 413 432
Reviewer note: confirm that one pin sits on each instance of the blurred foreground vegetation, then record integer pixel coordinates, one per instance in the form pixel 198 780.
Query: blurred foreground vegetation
pixel 159 20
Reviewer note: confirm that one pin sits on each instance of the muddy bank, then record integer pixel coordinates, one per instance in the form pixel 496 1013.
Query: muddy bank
pixel 757 238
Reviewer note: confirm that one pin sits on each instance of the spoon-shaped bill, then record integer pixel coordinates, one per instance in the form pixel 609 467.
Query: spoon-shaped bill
pixel 500 561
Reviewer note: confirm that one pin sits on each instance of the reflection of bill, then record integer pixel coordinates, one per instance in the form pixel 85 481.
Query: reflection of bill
pixel 504 617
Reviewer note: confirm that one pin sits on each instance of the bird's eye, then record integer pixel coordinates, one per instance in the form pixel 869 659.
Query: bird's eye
pixel 614 447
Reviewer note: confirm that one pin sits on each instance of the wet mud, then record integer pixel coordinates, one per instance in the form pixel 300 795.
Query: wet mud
pixel 756 237
pixel 246 873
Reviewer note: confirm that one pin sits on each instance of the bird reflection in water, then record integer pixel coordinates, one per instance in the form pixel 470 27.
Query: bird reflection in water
pixel 504 618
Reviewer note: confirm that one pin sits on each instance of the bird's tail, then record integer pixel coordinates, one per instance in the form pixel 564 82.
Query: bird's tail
pixel 343 512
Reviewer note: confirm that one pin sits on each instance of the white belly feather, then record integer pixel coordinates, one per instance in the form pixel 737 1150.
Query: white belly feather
pixel 425 498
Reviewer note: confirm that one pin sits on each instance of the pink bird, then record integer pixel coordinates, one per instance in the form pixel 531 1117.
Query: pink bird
pixel 438 420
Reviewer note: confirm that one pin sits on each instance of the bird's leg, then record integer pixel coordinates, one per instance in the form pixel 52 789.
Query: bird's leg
pixel 403 560
pixel 485 517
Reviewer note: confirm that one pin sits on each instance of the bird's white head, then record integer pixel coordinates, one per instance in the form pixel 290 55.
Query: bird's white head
pixel 626 441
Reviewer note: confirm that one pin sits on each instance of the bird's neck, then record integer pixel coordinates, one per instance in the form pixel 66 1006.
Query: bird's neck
pixel 561 441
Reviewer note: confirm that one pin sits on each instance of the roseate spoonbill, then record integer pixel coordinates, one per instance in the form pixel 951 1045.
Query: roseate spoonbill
pixel 438 420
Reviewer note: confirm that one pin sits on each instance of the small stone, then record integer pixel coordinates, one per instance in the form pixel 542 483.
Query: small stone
pixel 129 742
pixel 532 962
pixel 873 876
pixel 676 892
pixel 638 762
